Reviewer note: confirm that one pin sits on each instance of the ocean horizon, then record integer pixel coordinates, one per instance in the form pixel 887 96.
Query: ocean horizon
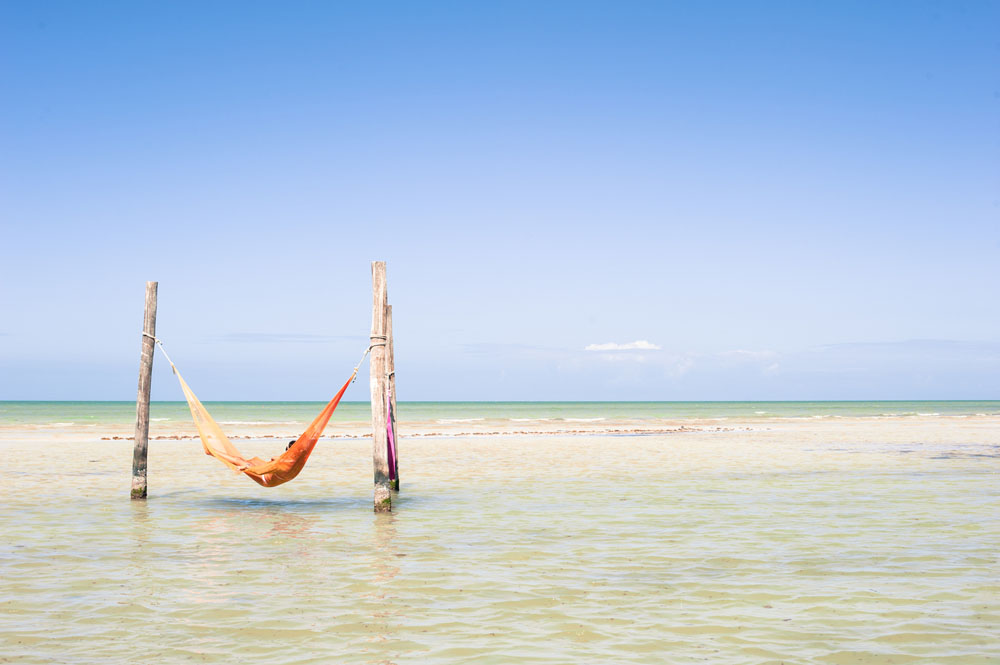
pixel 121 412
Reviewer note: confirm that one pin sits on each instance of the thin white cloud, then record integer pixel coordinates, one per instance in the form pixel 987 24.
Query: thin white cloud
pixel 638 345
pixel 681 366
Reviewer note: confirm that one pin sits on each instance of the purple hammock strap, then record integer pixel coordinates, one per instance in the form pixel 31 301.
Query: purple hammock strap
pixel 389 436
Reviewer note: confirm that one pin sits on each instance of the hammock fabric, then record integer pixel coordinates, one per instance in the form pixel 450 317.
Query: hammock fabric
pixel 271 473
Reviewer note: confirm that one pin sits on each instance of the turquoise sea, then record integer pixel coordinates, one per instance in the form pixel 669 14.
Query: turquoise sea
pixel 281 413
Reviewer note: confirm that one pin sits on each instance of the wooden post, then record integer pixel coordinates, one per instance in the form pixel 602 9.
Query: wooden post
pixel 380 447
pixel 390 370
pixel 142 401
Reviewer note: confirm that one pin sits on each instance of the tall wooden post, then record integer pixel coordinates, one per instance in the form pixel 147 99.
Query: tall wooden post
pixel 142 401
pixel 390 370
pixel 380 447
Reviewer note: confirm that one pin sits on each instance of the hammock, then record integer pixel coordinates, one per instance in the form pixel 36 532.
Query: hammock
pixel 278 470
pixel 271 473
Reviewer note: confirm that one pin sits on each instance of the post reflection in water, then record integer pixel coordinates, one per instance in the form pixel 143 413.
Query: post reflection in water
pixel 137 579
pixel 381 597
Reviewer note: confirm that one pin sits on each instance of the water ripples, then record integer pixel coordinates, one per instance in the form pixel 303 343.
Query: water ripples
pixel 726 548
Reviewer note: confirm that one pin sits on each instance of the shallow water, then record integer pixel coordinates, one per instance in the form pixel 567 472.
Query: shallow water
pixel 871 542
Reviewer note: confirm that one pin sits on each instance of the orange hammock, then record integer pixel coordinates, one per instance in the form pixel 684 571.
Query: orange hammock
pixel 271 473
pixel 278 470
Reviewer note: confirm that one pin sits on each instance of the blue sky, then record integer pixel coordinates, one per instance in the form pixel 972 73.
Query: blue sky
pixel 783 200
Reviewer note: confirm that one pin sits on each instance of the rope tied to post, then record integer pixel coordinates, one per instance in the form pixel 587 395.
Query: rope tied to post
pixel 373 344
pixel 159 343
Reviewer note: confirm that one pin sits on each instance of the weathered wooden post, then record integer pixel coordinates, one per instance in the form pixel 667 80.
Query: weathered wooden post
pixel 142 401
pixel 390 370
pixel 380 447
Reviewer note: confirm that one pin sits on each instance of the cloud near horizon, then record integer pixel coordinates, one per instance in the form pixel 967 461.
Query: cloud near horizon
pixel 638 345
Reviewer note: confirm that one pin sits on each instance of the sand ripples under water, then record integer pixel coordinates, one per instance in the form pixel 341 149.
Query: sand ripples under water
pixel 794 546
